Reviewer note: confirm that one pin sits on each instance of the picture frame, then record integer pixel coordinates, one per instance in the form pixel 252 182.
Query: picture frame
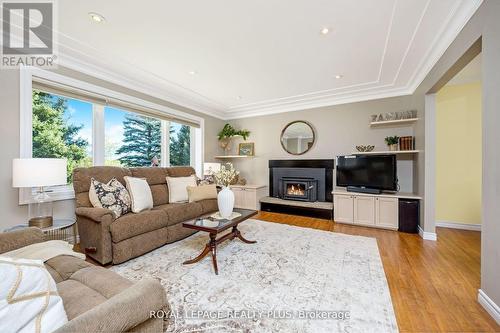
pixel 246 149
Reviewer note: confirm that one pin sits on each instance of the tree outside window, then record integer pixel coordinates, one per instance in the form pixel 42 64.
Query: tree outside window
pixel 62 128
pixel 180 145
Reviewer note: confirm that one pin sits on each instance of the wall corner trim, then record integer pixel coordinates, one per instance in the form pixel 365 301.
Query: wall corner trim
pixel 432 236
pixel 488 304
pixel 458 225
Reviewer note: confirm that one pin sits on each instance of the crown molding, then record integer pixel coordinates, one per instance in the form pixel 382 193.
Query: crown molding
pixel 90 63
pixel 140 80
pixel 456 22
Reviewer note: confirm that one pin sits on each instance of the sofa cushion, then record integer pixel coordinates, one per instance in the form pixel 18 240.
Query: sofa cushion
pixel 111 195
pixel 78 298
pixel 202 192
pixel 160 194
pixel 209 206
pixel 103 280
pixel 154 176
pixel 180 171
pixel 177 188
pixel 180 212
pixel 62 267
pixel 82 176
pixel 89 287
pixel 132 224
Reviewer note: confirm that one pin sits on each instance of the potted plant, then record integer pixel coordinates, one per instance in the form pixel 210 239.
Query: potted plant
pixel 225 199
pixel 392 142
pixel 227 133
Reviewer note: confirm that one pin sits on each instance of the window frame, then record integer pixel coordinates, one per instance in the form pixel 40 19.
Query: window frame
pixel 30 74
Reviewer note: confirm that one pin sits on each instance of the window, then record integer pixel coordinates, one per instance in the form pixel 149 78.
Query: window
pixel 62 128
pixel 62 117
pixel 131 140
pixel 180 144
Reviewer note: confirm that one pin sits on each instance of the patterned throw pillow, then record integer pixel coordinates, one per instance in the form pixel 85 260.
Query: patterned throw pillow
pixel 113 196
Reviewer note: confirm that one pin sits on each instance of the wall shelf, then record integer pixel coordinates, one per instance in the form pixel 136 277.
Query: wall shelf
pixel 393 122
pixel 386 152
pixel 227 157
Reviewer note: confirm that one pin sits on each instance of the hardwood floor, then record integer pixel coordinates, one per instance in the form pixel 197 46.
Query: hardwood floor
pixel 433 284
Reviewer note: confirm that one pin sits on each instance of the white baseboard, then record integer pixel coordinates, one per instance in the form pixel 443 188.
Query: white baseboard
pixel 427 235
pixel 458 225
pixel 489 305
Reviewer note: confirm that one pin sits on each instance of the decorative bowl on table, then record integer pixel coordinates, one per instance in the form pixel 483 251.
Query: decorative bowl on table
pixel 364 149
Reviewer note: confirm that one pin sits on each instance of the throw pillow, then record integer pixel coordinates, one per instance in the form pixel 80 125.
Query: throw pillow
pixel 198 193
pixel 29 301
pixel 140 194
pixel 177 188
pixel 113 196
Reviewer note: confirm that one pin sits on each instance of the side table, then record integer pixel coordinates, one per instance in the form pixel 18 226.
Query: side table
pixel 59 230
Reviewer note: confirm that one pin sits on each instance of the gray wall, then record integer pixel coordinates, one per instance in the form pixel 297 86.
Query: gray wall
pixel 12 212
pixel 338 130
pixel 490 249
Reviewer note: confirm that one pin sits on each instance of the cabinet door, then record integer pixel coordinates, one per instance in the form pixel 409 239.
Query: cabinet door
pixel 239 197
pixel 364 210
pixel 387 212
pixel 343 208
pixel 250 198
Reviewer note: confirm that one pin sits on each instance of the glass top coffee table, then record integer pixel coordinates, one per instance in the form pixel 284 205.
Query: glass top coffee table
pixel 215 227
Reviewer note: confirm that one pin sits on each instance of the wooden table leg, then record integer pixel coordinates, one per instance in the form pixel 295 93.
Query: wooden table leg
pixel 213 248
pixel 237 233
pixel 199 257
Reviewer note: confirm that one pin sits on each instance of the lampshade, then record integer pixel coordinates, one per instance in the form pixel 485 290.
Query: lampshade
pixel 37 172
pixel 210 168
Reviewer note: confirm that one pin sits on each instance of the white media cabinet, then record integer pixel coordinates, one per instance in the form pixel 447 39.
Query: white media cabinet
pixel 370 210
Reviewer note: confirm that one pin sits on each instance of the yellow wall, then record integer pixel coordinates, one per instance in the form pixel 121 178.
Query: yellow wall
pixel 459 158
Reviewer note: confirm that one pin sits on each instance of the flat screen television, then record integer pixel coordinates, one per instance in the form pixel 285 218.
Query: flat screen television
pixel 377 172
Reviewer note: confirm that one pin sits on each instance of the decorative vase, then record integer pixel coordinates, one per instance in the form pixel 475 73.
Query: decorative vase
pixel 393 147
pixel 225 202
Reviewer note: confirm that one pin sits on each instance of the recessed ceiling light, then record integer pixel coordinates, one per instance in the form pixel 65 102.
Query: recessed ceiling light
pixel 239 97
pixel 98 18
pixel 325 31
pixel 339 76
pixel 193 72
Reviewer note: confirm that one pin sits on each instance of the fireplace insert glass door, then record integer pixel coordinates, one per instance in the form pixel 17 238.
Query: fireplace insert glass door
pixel 302 189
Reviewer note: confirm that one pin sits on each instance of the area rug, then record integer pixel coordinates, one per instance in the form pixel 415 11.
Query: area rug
pixel 292 280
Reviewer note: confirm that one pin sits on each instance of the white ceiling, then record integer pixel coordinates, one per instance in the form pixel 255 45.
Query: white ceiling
pixel 261 56
pixel 469 74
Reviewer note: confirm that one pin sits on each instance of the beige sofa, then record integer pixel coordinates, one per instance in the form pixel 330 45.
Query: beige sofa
pixel 107 239
pixel 96 299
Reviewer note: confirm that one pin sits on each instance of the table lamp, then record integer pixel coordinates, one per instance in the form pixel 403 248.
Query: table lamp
pixel 40 173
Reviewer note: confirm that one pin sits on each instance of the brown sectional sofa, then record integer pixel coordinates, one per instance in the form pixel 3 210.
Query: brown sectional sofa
pixel 107 239
pixel 95 298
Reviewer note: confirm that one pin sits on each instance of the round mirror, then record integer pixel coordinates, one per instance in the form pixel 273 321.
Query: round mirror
pixel 297 137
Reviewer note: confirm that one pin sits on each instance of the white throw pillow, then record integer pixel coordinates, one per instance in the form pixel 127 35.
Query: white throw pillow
pixel 177 188
pixel 140 194
pixel 29 301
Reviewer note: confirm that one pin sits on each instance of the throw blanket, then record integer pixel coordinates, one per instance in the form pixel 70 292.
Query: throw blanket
pixel 44 251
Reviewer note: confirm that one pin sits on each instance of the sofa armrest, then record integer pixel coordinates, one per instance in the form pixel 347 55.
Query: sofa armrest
pixel 121 312
pixel 13 240
pixel 95 214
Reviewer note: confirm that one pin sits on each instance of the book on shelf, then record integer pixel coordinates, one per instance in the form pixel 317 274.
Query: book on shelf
pixel 407 143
